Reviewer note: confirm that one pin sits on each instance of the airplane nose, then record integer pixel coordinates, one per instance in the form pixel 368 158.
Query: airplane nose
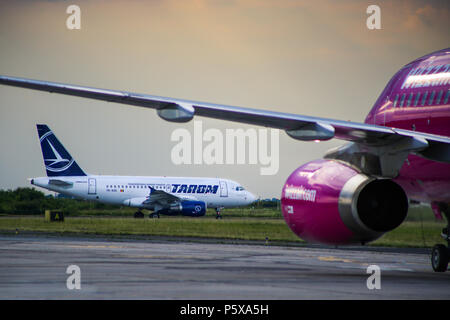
pixel 250 197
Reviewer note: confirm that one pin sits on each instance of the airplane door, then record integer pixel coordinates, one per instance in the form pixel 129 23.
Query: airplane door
pixel 92 186
pixel 223 189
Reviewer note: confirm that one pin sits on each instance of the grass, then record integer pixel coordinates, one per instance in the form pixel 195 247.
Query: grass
pixel 228 213
pixel 413 234
pixel 409 234
pixel 245 228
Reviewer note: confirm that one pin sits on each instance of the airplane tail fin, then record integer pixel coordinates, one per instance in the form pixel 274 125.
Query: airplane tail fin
pixel 57 161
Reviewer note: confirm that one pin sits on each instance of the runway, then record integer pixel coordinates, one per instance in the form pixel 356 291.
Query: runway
pixel 34 267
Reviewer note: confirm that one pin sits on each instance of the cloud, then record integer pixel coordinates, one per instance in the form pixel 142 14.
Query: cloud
pixel 427 16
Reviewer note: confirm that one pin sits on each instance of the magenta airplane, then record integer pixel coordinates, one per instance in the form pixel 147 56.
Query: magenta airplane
pixel 362 189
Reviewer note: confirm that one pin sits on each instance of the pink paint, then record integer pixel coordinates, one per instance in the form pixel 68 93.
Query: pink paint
pixel 318 220
pixel 423 180
pixel 310 196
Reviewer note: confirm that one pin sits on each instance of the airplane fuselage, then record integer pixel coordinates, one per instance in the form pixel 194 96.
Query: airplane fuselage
pixel 122 190
pixel 418 98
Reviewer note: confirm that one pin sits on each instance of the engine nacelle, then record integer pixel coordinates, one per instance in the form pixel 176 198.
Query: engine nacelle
pixel 186 208
pixel 328 201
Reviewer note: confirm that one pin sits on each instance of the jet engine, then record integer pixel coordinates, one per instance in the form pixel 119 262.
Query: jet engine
pixel 186 208
pixel 329 201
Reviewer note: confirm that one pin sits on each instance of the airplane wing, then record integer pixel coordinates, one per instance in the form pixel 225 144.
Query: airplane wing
pixel 160 197
pixel 382 142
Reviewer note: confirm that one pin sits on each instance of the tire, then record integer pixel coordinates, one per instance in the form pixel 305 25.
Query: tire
pixel 439 258
pixel 138 215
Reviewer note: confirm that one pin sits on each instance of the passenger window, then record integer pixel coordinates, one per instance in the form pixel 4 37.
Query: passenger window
pixel 424 98
pixel 446 96
pixel 438 99
pixel 430 101
pixel 402 100
pixel 416 101
pixel 409 99
pixel 395 100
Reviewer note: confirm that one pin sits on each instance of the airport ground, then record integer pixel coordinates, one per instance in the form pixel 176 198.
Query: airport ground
pixel 34 267
pixel 249 254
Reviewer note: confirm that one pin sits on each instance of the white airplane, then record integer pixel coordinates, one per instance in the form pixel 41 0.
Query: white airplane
pixel 163 195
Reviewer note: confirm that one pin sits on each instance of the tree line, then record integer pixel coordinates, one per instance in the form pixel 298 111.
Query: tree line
pixel 32 201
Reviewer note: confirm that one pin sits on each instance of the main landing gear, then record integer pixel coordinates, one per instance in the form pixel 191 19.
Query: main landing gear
pixel 440 254
pixel 139 215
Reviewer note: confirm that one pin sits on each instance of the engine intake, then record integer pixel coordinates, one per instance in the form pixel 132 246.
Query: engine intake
pixel 371 207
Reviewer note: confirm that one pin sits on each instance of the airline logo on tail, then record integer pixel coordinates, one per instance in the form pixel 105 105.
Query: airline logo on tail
pixel 57 161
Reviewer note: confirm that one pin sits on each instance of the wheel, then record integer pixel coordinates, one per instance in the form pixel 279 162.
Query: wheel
pixel 439 258
pixel 153 215
pixel 138 215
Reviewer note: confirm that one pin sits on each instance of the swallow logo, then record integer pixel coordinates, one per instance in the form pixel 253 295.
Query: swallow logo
pixel 56 163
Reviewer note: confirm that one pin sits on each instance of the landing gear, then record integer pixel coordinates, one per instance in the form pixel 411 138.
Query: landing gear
pixel 440 254
pixel 138 215
pixel 218 215
pixel 439 258
pixel 154 215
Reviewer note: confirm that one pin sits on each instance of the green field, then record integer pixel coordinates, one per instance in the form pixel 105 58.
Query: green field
pixel 409 234
pixel 23 210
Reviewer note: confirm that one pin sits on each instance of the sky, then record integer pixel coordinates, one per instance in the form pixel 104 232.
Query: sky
pixel 315 58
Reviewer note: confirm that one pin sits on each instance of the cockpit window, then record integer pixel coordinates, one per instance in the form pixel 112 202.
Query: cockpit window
pixel 239 188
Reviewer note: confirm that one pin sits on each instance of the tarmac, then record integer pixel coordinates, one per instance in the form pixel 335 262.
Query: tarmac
pixel 36 267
